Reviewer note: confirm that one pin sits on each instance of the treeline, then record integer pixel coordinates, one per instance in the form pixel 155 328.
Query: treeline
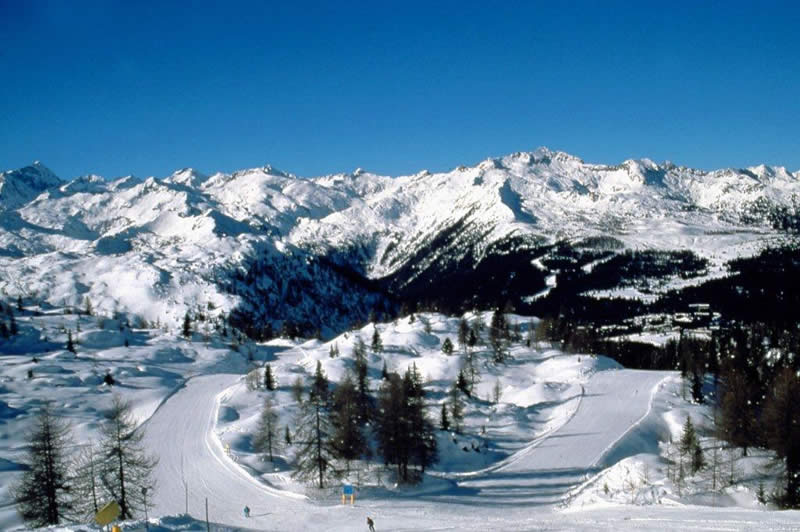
pixel 65 483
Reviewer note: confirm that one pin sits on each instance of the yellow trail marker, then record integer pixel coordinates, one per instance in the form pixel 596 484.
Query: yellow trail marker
pixel 107 513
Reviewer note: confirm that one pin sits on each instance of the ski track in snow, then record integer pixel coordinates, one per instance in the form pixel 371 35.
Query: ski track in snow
pixel 183 434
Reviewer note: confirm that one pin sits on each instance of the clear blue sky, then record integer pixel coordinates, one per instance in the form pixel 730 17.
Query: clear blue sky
pixel 148 87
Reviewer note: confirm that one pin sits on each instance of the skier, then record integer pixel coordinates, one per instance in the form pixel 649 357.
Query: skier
pixel 247 511
pixel 371 524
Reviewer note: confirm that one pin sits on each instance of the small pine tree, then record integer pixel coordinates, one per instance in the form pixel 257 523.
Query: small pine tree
pixel 70 344
pixel 19 304
pixel 377 343
pixel 269 379
pixel 444 422
pixel 462 384
pixel 287 436
pixel 334 351
pixel 384 372
pixel 87 306
pixel 187 326
pixel 447 346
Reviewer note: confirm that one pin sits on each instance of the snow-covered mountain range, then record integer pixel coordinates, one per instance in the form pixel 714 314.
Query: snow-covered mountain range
pixel 325 251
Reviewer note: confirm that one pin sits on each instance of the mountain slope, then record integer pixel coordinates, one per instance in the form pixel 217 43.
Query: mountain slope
pixel 276 248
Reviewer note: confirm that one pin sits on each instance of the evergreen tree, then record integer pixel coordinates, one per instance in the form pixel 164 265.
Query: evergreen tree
pixel 349 442
pixel 87 306
pixel 384 371
pixel 315 453
pixel 738 422
pixel 404 433
pixel 287 436
pixel 187 325
pixel 70 344
pixel 269 379
pixel 423 450
pixel 377 343
pixel 126 468
pixel 782 427
pixel 690 446
pixel 361 370
pixel 444 421
pixel 462 384
pixel 498 336
pixel 265 439
pixel 13 329
pixel 20 308
pixel 392 425
pixel 447 347
pixel 42 493
pixel 334 351
pixel 473 338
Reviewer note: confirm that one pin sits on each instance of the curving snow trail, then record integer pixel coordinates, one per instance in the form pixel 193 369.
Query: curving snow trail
pixel 541 474
pixel 182 433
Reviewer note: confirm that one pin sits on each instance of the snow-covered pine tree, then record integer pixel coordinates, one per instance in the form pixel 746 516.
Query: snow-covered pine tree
pixel 42 493
pixel 269 378
pixel 126 467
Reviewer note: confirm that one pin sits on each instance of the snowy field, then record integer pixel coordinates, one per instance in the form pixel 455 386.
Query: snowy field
pixel 575 442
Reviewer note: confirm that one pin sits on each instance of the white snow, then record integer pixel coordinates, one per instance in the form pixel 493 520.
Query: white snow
pixel 533 461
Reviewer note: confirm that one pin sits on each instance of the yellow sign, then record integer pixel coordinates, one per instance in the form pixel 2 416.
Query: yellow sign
pixel 107 513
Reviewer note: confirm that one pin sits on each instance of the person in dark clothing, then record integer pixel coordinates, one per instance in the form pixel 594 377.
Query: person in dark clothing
pixel 371 524
pixel 247 511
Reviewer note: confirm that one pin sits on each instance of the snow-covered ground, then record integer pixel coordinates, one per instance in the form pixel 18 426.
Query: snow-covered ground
pixel 567 447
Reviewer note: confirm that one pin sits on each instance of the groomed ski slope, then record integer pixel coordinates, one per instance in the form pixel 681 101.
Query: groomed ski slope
pixel 182 433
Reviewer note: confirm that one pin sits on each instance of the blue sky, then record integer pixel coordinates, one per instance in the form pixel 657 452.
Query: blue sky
pixel 147 87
